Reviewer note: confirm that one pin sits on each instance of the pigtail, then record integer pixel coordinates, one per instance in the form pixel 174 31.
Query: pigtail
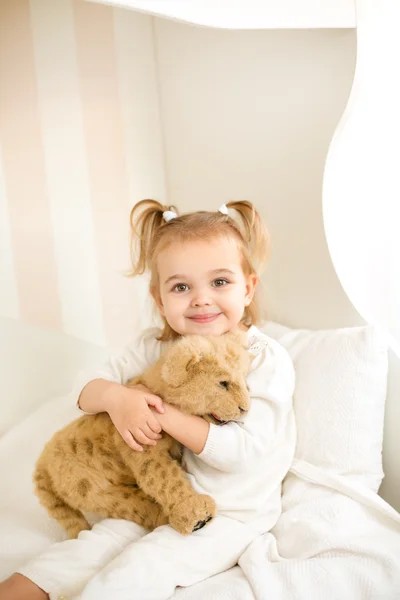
pixel 146 221
pixel 254 232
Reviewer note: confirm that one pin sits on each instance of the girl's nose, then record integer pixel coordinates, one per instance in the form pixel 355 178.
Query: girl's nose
pixel 201 300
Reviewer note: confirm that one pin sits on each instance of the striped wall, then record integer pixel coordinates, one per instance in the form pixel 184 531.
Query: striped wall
pixel 80 143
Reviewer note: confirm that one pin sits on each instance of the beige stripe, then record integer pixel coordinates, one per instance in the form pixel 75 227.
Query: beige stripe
pixel 65 155
pixel 140 105
pixel 9 305
pixel 143 143
pixel 103 129
pixel 24 172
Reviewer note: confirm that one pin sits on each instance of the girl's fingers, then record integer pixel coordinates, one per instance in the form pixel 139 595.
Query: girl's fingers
pixel 130 440
pixel 156 402
pixel 150 433
pixel 154 425
pixel 142 438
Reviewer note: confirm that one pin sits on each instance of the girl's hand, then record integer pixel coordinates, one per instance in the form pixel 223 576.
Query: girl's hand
pixel 129 410
pixel 189 430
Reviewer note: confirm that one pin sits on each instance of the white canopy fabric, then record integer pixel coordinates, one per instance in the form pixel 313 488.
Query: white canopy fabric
pixel 250 14
pixel 361 198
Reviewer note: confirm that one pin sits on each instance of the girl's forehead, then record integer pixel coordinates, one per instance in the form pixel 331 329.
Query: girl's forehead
pixel 215 253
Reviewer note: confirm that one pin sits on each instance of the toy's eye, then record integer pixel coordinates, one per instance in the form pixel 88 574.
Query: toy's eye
pixel 224 384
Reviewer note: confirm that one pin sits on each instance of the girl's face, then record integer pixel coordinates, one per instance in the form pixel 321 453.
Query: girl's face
pixel 202 287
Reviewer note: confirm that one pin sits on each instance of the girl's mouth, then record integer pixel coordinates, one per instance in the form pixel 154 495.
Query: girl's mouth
pixel 205 318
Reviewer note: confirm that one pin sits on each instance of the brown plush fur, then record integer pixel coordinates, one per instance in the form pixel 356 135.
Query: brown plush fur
pixel 87 466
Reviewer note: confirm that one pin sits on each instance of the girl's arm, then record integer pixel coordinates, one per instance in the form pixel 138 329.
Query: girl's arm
pixel 94 387
pixel 189 430
pixel 103 390
pixel 96 396
pixel 236 447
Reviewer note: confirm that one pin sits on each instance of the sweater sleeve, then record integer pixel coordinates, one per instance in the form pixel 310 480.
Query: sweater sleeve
pixel 120 368
pixel 236 447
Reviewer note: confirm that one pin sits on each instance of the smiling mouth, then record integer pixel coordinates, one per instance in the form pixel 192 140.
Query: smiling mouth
pixel 204 318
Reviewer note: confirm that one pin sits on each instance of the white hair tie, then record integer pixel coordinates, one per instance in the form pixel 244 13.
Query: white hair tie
pixel 169 215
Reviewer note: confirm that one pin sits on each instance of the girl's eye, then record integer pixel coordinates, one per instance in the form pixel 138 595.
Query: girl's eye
pixel 180 287
pixel 220 282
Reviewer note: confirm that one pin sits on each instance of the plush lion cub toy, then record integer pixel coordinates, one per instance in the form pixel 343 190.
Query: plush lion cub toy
pixel 87 466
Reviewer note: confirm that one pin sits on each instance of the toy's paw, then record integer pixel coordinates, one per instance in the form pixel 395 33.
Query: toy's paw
pixel 192 514
pixel 201 524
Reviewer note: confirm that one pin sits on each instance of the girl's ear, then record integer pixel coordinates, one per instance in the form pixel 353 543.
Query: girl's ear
pixel 251 284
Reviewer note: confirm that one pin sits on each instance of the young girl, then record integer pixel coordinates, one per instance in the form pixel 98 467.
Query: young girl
pixel 204 270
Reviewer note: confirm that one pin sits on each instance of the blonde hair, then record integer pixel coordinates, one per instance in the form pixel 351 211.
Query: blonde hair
pixel 150 234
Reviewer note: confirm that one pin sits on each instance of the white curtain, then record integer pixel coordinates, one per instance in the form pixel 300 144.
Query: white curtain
pixel 361 196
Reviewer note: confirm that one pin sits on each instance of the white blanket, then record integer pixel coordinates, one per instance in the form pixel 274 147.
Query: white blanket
pixel 333 540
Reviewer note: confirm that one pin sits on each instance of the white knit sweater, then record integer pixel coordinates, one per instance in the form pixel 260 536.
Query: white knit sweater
pixel 242 464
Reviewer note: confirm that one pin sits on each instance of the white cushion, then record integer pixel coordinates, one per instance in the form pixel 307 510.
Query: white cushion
pixel 36 365
pixel 341 382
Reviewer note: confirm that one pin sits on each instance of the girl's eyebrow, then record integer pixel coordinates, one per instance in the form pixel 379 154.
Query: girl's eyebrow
pixel 223 270
pixel 184 277
pixel 177 276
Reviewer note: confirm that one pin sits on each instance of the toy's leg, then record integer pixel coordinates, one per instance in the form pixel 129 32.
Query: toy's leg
pixel 124 502
pixel 71 518
pixel 153 567
pixel 164 480
pixel 65 568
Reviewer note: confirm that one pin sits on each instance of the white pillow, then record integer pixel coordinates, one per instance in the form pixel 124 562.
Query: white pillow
pixel 341 383
pixel 36 365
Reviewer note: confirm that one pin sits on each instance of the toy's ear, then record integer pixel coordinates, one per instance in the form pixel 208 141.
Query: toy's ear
pixel 236 337
pixel 180 357
pixel 235 344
